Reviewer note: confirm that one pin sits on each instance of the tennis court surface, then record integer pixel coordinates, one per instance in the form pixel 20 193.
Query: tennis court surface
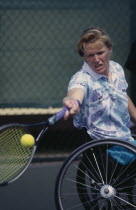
pixel 34 190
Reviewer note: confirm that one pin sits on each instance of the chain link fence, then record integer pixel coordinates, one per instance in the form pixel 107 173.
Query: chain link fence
pixel 38 45
pixel 38 53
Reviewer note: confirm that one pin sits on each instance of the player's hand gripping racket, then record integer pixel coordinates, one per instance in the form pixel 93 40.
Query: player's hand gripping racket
pixel 14 157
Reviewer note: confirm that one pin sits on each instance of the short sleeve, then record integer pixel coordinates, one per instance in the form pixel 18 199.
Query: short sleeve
pixel 122 75
pixel 79 80
pixel 120 72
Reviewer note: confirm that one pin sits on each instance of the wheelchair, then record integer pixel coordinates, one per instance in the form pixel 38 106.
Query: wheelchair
pixel 100 174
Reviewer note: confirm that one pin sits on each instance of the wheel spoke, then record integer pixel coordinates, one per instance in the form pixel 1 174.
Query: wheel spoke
pixel 98 166
pixel 117 205
pixel 125 201
pixel 91 179
pixel 81 184
pixel 90 172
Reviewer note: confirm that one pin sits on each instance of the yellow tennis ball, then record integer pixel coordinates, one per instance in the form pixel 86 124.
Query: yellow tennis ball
pixel 27 140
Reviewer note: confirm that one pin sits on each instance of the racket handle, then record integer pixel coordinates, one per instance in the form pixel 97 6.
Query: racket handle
pixel 59 115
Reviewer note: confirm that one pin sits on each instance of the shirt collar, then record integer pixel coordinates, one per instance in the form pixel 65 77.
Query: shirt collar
pixel 89 71
pixel 96 76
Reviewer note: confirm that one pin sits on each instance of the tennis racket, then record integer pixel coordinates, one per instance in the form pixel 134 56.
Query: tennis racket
pixel 15 158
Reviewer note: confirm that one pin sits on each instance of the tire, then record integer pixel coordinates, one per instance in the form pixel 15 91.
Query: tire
pixel 91 178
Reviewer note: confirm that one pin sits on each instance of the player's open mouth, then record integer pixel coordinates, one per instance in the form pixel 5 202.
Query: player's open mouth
pixel 98 66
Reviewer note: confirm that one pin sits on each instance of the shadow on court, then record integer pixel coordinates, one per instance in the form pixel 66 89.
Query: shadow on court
pixel 33 191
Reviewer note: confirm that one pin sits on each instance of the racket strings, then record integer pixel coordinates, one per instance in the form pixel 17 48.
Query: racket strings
pixel 13 156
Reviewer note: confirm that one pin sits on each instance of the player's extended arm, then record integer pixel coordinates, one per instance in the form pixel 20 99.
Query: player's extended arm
pixel 132 110
pixel 71 101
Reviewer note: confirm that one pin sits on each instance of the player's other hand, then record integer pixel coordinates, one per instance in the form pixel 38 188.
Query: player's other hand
pixel 72 105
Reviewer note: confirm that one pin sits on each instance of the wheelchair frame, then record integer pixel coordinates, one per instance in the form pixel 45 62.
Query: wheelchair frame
pixel 91 179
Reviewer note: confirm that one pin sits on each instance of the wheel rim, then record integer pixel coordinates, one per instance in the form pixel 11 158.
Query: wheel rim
pixel 77 188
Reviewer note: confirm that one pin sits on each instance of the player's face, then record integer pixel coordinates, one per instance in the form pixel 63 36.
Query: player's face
pixel 97 56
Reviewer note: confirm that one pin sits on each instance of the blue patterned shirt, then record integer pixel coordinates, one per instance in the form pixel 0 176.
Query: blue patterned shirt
pixel 104 110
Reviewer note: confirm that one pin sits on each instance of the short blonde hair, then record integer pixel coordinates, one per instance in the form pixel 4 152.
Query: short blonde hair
pixel 92 35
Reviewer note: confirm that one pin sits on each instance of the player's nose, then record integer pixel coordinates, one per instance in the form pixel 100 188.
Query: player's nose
pixel 96 58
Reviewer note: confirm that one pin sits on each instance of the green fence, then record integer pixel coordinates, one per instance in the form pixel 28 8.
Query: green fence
pixel 38 57
pixel 38 45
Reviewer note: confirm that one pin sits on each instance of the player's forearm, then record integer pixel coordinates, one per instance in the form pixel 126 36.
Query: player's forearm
pixel 71 101
pixel 132 110
pixel 133 119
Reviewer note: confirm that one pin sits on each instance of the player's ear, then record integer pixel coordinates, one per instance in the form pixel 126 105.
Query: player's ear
pixel 110 49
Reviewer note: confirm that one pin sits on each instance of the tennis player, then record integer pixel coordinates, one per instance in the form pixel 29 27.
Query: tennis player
pixel 100 86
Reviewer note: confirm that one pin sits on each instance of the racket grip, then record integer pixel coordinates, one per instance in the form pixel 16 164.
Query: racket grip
pixel 59 115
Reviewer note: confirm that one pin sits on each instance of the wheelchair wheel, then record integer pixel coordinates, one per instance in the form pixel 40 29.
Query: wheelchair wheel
pixel 100 174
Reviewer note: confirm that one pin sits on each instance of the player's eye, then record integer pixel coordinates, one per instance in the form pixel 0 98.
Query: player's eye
pixel 90 55
pixel 100 53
